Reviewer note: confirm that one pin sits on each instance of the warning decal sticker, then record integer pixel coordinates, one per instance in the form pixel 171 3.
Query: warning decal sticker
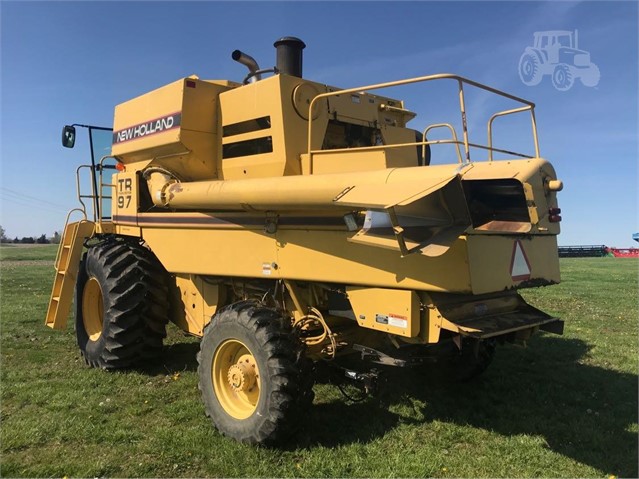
pixel 392 320
pixel 519 264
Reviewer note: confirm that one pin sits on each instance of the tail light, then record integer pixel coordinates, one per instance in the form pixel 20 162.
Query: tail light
pixel 554 215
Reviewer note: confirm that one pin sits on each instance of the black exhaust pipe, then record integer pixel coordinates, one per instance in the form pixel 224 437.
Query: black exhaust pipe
pixel 249 62
pixel 289 56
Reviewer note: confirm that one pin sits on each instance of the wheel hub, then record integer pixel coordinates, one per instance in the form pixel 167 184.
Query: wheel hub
pixel 236 378
pixel 242 375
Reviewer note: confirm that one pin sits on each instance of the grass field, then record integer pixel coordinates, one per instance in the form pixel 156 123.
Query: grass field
pixel 565 406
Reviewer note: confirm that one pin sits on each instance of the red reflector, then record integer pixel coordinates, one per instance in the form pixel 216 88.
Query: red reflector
pixel 554 218
pixel 554 211
pixel 190 84
pixel 120 166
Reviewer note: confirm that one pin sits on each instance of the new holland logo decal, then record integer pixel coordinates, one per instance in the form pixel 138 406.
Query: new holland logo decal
pixel 150 127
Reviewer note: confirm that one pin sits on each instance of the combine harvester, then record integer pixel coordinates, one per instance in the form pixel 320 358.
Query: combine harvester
pixel 291 224
pixel 584 251
pixel 624 252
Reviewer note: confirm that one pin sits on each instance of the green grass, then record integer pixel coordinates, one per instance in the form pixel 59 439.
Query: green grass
pixel 19 252
pixel 562 407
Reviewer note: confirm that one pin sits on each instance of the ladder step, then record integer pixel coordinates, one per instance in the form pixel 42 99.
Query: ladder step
pixel 67 264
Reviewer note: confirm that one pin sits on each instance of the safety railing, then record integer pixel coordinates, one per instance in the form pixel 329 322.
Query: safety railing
pixel 98 197
pixel 102 185
pixel 81 197
pixel 465 142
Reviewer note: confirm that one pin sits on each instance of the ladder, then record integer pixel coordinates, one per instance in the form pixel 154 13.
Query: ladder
pixel 66 271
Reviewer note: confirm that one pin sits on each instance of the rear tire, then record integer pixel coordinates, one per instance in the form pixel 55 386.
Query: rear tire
pixel 121 305
pixel 253 374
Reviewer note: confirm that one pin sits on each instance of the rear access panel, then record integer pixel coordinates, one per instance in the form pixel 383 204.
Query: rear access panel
pixel 394 311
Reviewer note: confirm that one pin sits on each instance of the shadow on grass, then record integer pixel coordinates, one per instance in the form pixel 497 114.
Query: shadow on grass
pixel 582 411
pixel 175 357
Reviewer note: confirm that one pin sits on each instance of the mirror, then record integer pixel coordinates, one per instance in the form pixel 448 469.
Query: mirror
pixel 68 136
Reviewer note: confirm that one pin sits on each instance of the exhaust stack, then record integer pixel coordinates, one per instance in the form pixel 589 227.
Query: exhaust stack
pixel 249 62
pixel 289 56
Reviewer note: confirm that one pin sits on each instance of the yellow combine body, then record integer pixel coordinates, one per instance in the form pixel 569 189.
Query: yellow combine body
pixel 291 224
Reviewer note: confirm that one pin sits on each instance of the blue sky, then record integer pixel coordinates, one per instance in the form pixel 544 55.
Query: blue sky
pixel 72 62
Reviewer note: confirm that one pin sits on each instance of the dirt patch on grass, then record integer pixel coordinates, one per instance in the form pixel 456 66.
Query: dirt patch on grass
pixel 26 262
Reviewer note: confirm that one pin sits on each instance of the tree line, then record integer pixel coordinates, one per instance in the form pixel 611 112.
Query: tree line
pixel 42 239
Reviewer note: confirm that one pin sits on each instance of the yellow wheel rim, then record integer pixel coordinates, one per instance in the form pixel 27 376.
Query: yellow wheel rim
pixel 236 379
pixel 92 309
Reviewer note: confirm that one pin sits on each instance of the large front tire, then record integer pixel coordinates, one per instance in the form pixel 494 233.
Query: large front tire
pixel 252 374
pixel 121 305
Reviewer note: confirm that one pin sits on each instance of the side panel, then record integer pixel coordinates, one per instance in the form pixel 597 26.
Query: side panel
pixel 512 261
pixel 302 254
pixel 394 311
pixel 198 301
pixel 213 252
pixel 329 256
pixel 175 125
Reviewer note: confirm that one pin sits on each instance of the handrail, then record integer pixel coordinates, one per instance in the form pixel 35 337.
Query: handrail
pixel 102 184
pixel 462 105
pixel 452 131
pixel 66 222
pixel 79 192
pixel 418 143
pixel 509 112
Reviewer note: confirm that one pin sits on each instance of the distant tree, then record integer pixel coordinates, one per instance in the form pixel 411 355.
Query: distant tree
pixel 27 240
pixel 16 240
pixel 56 238
pixel 42 239
pixel 3 237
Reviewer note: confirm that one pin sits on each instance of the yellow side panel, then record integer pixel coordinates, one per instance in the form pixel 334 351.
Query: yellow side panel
pixel 176 125
pixel 329 256
pixel 497 260
pixel 353 161
pixel 394 311
pixel 214 252
pixel 147 107
pixel 307 255
pixel 199 300
pixel 255 100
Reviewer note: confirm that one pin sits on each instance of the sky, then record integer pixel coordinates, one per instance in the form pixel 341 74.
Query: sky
pixel 72 62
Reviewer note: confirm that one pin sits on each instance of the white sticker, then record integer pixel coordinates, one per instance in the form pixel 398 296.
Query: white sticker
pixel 397 321
pixel 266 269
